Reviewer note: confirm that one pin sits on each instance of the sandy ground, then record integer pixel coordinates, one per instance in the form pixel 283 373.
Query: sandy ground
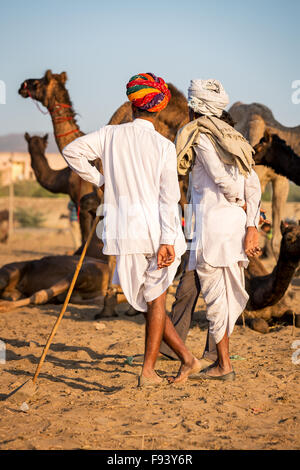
pixel 87 396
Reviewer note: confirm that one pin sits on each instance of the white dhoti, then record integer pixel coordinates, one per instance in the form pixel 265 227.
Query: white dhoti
pixel 223 290
pixel 140 279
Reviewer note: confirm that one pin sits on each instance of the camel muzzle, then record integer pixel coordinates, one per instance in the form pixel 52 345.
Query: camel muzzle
pixel 23 90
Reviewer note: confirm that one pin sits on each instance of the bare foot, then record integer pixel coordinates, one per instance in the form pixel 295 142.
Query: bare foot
pixel 186 369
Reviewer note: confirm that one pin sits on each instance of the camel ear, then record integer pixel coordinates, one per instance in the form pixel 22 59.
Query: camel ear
pixel 63 77
pixel 48 76
pixel 45 138
pixel 27 137
pixel 267 136
pixel 282 228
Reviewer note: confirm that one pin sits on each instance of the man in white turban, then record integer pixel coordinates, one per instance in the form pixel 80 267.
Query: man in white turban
pixel 207 97
pixel 225 195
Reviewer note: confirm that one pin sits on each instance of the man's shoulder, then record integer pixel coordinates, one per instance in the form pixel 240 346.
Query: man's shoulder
pixel 164 140
pixel 108 128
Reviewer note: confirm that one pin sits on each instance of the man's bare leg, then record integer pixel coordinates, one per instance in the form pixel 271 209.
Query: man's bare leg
pixel 223 365
pixel 189 364
pixel 155 324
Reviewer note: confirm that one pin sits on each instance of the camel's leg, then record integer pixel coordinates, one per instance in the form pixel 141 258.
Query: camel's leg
pixel 112 291
pixel 10 275
pixel 110 302
pixel 85 221
pixel 264 176
pixel 280 193
pixel 40 297
pixel 111 269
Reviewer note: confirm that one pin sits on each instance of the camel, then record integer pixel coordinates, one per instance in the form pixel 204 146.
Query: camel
pixel 251 121
pixel 41 281
pixel 55 181
pixel 267 290
pixel 273 152
pixel 51 92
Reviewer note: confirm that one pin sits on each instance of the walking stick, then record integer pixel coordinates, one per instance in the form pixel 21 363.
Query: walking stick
pixel 28 388
pixel 56 325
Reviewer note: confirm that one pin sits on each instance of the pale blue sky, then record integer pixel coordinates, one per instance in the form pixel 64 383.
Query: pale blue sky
pixel 253 47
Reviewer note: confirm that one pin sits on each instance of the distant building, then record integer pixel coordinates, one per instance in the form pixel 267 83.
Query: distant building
pixel 17 166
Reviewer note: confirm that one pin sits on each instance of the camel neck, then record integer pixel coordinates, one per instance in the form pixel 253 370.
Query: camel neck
pixel 46 176
pixel 285 161
pixel 281 277
pixel 64 125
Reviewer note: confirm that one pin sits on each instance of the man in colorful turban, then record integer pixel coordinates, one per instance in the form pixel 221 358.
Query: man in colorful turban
pixel 148 92
pixel 141 219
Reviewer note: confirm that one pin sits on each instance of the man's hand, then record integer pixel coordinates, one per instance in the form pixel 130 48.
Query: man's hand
pixel 165 256
pixel 100 192
pixel 251 244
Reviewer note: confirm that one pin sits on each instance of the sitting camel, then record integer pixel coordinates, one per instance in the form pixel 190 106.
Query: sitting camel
pixel 40 281
pixel 267 290
pixel 273 152
pixel 252 120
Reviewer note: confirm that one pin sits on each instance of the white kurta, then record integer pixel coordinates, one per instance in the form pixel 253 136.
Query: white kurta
pixel 141 186
pixel 220 221
pixel 140 202
pixel 218 193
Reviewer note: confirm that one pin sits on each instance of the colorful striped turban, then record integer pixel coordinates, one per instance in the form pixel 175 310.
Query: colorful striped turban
pixel 148 92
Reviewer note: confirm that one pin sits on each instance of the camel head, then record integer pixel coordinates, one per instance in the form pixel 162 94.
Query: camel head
pixel 90 203
pixel 36 143
pixel 263 148
pixel 290 243
pixel 47 90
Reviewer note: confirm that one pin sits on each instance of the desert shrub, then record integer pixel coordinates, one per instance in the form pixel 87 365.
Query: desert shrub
pixel 29 218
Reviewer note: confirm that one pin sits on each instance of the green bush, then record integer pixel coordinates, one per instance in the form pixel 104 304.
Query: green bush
pixel 29 218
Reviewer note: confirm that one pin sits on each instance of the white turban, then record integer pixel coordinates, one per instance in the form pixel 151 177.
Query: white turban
pixel 207 97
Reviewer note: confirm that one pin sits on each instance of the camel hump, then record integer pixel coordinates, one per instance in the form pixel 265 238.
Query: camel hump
pixel 256 128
